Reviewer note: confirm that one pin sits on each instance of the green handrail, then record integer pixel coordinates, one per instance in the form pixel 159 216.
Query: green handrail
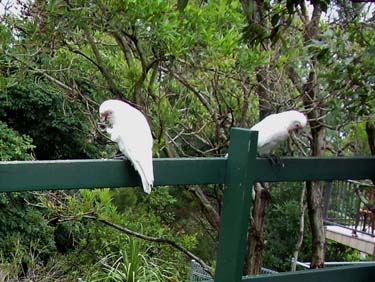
pixel 73 174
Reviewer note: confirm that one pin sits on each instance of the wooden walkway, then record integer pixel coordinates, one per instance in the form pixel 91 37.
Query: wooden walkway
pixel 362 242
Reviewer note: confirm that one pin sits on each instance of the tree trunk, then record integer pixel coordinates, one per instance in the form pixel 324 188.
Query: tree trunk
pixel 314 190
pixel 315 211
pixel 315 111
pixel 370 130
pixel 255 237
pixel 255 14
pixel 314 194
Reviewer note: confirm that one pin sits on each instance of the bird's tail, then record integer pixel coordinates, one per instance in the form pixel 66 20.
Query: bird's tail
pixel 147 176
pixel 147 186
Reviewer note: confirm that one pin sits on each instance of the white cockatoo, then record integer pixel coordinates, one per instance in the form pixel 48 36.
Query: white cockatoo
pixel 129 128
pixel 275 128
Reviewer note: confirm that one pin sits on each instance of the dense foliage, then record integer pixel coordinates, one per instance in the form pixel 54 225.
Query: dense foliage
pixel 195 68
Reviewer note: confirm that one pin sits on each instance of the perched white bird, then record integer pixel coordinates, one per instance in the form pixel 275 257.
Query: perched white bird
pixel 275 128
pixel 129 128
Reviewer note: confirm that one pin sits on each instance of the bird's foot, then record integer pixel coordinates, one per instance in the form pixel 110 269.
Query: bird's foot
pixel 275 160
pixel 120 157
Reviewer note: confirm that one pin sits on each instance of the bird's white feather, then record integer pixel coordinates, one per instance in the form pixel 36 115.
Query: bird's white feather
pixel 275 128
pixel 131 131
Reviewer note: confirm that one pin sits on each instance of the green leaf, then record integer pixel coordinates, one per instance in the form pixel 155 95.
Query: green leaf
pixel 181 5
pixel 275 19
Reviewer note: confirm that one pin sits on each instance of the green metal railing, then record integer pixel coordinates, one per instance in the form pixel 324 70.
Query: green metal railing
pixel 238 172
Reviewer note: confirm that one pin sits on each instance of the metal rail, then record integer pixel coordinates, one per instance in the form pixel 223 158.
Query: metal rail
pixel 74 174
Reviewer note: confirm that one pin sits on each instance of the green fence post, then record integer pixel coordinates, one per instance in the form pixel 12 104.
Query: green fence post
pixel 236 205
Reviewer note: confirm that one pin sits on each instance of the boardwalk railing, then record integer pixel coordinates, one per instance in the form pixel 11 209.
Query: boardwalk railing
pixel 198 274
pixel 343 206
pixel 238 172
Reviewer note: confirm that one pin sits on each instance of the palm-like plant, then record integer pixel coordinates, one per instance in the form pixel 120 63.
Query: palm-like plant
pixel 133 265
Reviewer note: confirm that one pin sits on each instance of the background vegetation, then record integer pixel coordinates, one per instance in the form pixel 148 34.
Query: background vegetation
pixel 195 68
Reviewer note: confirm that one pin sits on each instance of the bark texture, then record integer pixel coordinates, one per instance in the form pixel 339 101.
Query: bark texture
pixel 255 237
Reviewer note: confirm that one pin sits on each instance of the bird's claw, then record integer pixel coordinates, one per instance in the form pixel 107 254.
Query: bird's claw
pixel 120 157
pixel 275 160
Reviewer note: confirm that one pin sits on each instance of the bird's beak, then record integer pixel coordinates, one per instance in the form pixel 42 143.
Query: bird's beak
pixel 298 129
pixel 103 117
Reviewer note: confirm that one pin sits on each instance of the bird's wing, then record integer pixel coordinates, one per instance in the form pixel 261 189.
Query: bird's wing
pixel 141 158
pixel 135 141
pixel 271 131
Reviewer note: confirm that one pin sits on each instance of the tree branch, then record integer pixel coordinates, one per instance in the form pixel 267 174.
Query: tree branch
pixel 100 64
pixel 119 39
pixel 211 214
pixel 209 210
pixel 304 13
pixel 43 73
pixel 184 82
pixel 126 50
pixel 79 52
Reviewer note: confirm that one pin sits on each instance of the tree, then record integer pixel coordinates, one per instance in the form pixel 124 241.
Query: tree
pixel 266 34
pixel 195 68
